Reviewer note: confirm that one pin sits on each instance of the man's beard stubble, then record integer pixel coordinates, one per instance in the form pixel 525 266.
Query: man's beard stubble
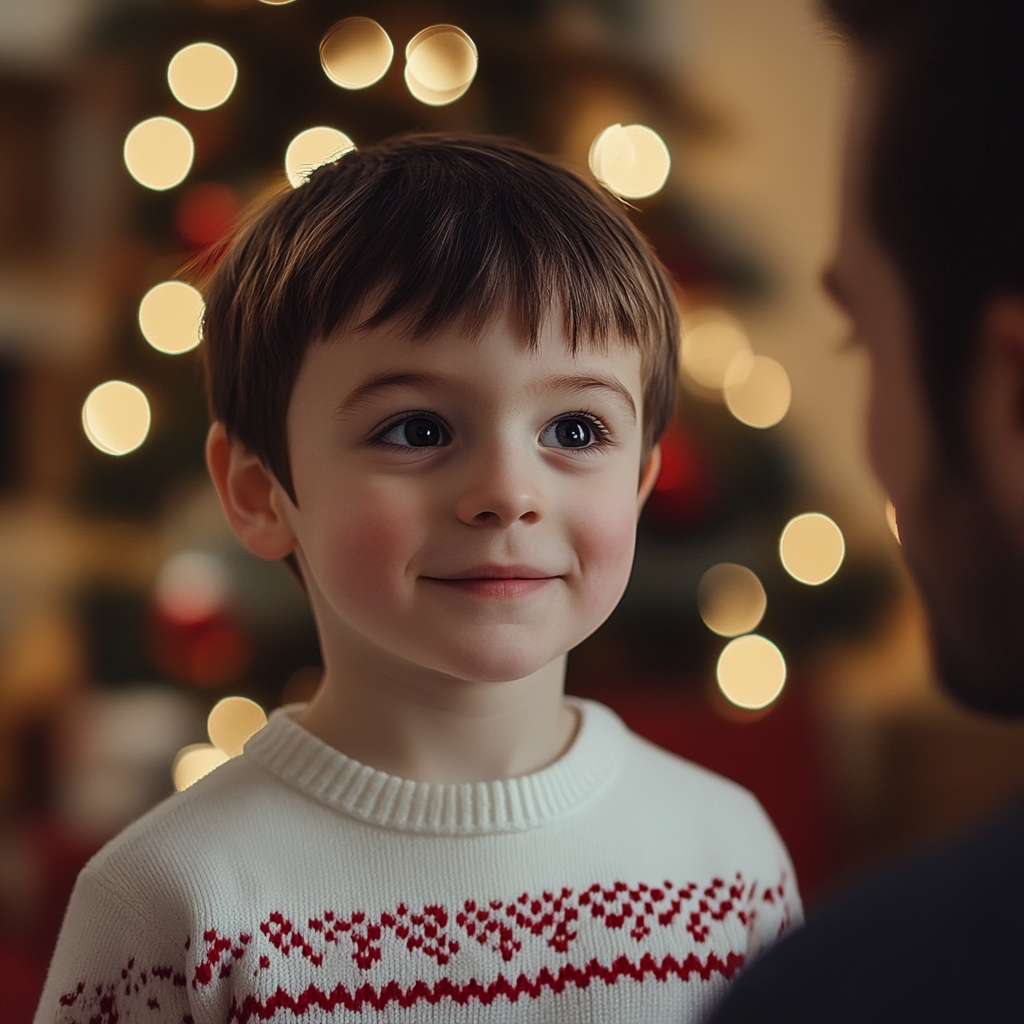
pixel 971 577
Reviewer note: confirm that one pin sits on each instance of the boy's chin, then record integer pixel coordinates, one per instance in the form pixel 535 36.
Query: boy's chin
pixel 494 666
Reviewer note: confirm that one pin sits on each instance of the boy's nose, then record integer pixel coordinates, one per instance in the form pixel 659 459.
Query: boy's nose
pixel 501 491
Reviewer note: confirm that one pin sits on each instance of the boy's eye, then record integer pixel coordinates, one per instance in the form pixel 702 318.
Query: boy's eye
pixel 570 432
pixel 415 432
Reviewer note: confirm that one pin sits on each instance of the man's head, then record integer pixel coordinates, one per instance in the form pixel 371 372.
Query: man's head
pixel 930 267
pixel 438 371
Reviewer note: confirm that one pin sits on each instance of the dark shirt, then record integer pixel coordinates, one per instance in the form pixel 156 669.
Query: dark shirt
pixel 940 938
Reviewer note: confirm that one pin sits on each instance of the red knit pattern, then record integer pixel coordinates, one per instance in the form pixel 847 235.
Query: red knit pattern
pixel 498 925
pixel 439 934
pixel 367 997
pixel 99 1003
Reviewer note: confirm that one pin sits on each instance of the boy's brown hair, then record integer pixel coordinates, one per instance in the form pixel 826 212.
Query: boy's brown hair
pixel 437 230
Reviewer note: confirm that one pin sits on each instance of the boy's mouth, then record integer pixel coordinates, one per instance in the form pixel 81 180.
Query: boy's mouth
pixel 501 581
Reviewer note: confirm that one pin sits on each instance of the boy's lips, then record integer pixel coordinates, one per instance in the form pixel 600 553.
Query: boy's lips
pixel 502 581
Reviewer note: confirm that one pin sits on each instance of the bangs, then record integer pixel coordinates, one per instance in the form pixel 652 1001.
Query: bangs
pixel 432 232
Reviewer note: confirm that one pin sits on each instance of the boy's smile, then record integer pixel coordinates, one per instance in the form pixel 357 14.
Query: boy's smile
pixel 463 507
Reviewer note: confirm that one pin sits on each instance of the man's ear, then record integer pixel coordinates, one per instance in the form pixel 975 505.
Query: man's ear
pixel 252 498
pixel 649 477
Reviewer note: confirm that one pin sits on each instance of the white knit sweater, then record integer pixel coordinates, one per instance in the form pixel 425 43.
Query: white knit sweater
pixel 621 884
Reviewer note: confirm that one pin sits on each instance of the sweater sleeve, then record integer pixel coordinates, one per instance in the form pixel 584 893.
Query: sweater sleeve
pixel 773 905
pixel 110 964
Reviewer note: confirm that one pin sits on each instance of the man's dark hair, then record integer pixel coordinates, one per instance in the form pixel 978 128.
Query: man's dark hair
pixel 430 231
pixel 946 178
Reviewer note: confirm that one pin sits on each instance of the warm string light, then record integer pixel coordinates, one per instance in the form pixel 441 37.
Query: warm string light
pixel 440 64
pixel 202 76
pixel 751 672
pixel 232 722
pixel 731 599
pixel 116 417
pixel 193 762
pixel 718 363
pixel 171 317
pixel 632 160
pixel 712 339
pixel 158 153
pixel 355 53
pixel 313 148
pixel 757 390
pixel 812 548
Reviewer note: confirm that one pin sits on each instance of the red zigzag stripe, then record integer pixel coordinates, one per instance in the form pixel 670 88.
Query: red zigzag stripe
pixel 366 996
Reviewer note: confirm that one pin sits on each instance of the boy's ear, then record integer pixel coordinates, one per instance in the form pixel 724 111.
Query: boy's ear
pixel 649 477
pixel 252 498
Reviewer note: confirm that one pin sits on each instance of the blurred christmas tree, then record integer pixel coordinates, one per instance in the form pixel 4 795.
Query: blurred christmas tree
pixel 554 75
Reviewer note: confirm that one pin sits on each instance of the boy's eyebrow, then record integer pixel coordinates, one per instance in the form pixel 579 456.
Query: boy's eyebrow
pixel 386 381
pixel 569 383
pixel 591 382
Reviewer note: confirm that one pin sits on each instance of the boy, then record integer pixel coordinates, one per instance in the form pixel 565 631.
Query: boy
pixel 438 373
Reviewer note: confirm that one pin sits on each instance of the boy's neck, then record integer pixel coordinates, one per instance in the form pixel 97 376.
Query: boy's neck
pixel 442 730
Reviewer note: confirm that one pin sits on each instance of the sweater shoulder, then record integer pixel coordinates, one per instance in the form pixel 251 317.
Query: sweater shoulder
pixel 686 783
pixel 698 806
pixel 188 835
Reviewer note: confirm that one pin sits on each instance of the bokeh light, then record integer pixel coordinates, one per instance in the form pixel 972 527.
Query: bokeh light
pixel 731 599
pixel 891 520
pixel 757 390
pixel 632 160
pixel 440 64
pixel 193 762
pixel 812 548
pixel 751 672
pixel 116 417
pixel 712 339
pixel 192 587
pixel 356 52
pixel 312 149
pixel 158 153
pixel 171 317
pixel 202 76
pixel 232 721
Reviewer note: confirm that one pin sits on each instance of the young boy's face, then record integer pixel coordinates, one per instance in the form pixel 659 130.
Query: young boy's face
pixel 464 507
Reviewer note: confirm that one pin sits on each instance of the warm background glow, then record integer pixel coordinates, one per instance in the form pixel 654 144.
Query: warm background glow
pixel 731 599
pixel 202 76
pixel 195 761
pixel 356 52
pixel 891 519
pixel 757 390
pixel 312 149
pixel 232 722
pixel 632 161
pixel 812 548
pixel 116 417
pixel 712 339
pixel 158 153
pixel 170 317
pixel 440 64
pixel 192 586
pixel 751 672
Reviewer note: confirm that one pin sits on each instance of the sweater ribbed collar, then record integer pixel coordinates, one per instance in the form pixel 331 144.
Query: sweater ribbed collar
pixel 306 763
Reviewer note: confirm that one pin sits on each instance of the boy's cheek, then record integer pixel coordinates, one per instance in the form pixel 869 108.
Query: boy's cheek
pixel 369 544
pixel 605 539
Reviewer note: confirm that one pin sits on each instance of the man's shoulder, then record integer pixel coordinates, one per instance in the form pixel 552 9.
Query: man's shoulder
pixel 936 938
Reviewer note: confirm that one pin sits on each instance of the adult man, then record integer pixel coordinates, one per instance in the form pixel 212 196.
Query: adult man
pixel 930 269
